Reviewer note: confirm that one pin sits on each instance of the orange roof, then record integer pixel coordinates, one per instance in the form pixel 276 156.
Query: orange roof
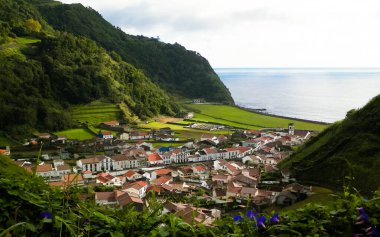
pixel 200 168
pixel 141 183
pixel 163 171
pixel 154 188
pixel 73 178
pixel 240 149
pixel 154 157
pixel 94 159
pixel 3 151
pixel 243 149
pixel 106 133
pixel 44 168
pixel 86 172
pixel 176 151
pixel 161 180
pixel 231 149
pixel 129 173
pixel 210 150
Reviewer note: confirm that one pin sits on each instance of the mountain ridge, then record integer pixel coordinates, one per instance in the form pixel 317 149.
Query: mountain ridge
pixel 45 71
pixel 171 66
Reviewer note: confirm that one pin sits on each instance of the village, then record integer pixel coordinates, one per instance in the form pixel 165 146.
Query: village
pixel 208 176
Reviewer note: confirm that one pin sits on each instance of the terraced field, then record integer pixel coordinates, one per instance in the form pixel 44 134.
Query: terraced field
pixel 95 113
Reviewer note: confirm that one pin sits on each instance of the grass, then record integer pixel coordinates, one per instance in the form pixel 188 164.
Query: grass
pixel 76 133
pixel 234 116
pixel 95 113
pixel 182 133
pixel 96 130
pixel 27 40
pixel 166 144
pixel 320 195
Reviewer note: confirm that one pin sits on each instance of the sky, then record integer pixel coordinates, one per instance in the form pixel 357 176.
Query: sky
pixel 257 33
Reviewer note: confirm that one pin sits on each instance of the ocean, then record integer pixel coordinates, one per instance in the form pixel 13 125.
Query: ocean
pixel 314 94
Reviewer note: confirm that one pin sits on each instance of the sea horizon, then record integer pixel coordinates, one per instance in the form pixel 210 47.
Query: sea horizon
pixel 317 94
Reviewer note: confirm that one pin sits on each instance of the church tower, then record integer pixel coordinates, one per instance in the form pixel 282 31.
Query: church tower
pixel 291 129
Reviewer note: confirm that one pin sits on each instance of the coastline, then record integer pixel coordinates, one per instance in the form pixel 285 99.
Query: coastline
pixel 280 116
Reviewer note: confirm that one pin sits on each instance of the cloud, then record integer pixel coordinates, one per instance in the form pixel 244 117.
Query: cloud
pixel 257 33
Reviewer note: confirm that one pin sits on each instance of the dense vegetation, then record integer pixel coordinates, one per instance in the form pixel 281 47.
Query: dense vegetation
pixel 179 71
pixel 29 207
pixel 347 148
pixel 44 72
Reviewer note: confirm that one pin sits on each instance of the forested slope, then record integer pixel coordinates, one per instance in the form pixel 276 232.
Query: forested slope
pixel 179 71
pixel 43 72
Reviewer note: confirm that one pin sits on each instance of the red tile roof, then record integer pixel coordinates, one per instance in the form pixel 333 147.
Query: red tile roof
pixel 210 150
pixel 161 180
pixel 200 168
pixel 92 160
pixel 154 157
pixel 141 183
pixel 69 178
pixel 108 196
pixel 129 173
pixel 106 133
pixel 163 171
pixel 44 168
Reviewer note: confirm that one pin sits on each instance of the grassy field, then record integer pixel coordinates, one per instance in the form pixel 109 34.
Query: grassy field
pixel 237 117
pixel 96 130
pixel 27 40
pixel 321 196
pixel 95 113
pixel 182 133
pixel 166 144
pixel 77 133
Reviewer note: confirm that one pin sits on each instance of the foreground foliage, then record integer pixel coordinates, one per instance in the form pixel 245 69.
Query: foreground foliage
pixel 28 207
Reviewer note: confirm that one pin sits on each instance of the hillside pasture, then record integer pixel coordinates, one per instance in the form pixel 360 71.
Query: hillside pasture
pixel 237 117
pixel 76 133
pixel 94 114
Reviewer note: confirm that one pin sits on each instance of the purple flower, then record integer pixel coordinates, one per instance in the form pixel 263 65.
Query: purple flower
pixel 238 218
pixel 372 231
pixel 261 222
pixel 47 216
pixel 251 214
pixel 275 218
pixel 86 222
pixel 363 215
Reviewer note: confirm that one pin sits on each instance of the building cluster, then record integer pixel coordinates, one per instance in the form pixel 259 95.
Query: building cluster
pixel 224 174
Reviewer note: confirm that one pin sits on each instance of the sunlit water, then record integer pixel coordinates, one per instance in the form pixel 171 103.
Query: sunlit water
pixel 315 94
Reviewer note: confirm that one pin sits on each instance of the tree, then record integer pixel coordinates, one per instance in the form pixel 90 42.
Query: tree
pixel 32 25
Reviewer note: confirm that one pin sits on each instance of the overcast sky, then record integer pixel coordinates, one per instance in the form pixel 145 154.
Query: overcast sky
pixel 252 33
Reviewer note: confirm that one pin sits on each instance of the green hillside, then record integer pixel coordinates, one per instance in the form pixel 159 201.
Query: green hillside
pixel 179 71
pixel 347 148
pixel 237 117
pixel 44 72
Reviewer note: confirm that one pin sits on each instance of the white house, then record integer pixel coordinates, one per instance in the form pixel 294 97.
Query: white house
pixel 124 136
pixel 136 189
